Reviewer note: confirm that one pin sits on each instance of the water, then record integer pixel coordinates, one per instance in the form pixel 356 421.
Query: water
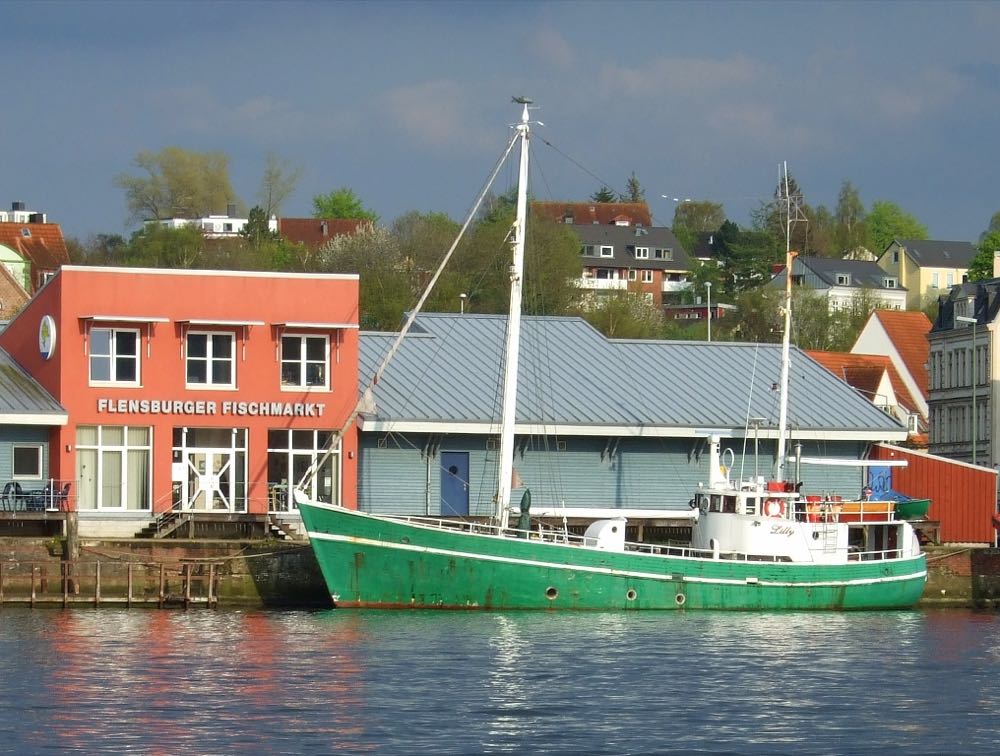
pixel 219 682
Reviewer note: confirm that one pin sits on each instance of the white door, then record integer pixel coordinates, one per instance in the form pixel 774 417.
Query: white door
pixel 209 479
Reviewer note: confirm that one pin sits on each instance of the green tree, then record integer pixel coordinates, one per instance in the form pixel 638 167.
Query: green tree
pixel 100 249
pixel 851 230
pixel 772 217
pixel 277 184
pixel 694 218
pixel 604 194
pixel 981 266
pixel 624 315
pixel 633 190
pixel 821 232
pixel 758 314
pixel 887 221
pixel 257 230
pixel 177 183
pixel 157 246
pixel 812 322
pixel 747 256
pixel 342 203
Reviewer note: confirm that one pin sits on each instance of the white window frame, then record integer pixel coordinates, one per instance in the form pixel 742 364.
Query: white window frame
pixel 647 276
pixel 632 274
pixel 663 253
pixel 38 449
pixel 113 357
pixel 890 283
pixel 607 251
pixel 303 363
pixel 642 253
pixel 843 279
pixel 101 449
pixel 208 359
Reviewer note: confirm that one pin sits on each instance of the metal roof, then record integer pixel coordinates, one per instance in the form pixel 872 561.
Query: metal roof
pixel 573 379
pixel 23 401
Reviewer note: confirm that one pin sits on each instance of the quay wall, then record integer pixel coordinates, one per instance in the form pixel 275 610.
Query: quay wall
pixel 285 573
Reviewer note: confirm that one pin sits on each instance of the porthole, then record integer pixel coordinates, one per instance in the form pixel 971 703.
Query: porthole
pixel 680 598
pixel 404 539
pixel 551 593
pixel 631 594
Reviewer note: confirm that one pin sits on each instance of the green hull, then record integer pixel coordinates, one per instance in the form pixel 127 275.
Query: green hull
pixel 383 562
pixel 912 509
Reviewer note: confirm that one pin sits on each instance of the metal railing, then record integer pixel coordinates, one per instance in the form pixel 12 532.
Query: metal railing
pixel 51 495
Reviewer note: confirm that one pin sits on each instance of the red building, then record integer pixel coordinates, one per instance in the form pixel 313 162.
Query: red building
pixel 197 392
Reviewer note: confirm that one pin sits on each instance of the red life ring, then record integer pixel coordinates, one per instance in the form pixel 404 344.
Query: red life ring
pixel 774 508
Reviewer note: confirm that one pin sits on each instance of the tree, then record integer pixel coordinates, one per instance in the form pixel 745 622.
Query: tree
pixel 157 246
pixel 851 232
pixel 887 221
pixel 342 203
pixel 604 194
pixel 812 322
pixel 624 315
pixel 981 266
pixel 821 233
pixel 772 217
pixel 100 249
pixel 698 216
pixel 277 184
pixel 759 317
pixel 177 183
pixel 747 256
pixel 633 190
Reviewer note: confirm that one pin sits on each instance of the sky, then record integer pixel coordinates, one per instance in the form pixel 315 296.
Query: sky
pixel 409 104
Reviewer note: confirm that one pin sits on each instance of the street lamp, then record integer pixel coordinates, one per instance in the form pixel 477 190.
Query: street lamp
pixel 708 292
pixel 965 319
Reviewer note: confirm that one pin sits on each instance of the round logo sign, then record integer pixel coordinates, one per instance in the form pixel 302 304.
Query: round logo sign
pixel 47 336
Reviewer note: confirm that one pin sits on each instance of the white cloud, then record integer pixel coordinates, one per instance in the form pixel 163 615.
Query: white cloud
pixel 434 113
pixel 552 48
pixel 671 77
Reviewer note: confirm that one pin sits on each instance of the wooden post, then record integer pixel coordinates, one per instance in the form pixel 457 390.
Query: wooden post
pixel 65 583
pixel 187 585
pixel 162 579
pixel 97 584
pixel 128 598
pixel 32 584
pixel 1 582
pixel 211 584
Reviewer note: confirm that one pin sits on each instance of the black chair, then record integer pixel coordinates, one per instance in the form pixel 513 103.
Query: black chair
pixel 7 500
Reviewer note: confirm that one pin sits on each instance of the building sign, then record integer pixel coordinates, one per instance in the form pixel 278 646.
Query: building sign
pixel 192 407
pixel 47 337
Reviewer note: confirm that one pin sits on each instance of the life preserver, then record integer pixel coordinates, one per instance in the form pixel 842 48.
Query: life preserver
pixel 774 508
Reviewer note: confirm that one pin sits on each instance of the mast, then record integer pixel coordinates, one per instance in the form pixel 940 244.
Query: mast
pixel 779 465
pixel 513 339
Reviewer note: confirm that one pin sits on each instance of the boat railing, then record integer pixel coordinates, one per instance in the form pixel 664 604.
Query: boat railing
pixel 835 509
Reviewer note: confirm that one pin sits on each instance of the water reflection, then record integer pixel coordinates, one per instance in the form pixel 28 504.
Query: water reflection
pixel 441 682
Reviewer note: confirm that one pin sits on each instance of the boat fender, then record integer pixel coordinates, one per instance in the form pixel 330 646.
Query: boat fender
pixel 774 508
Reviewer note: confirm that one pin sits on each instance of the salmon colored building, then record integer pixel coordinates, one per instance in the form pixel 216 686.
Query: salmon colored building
pixel 192 396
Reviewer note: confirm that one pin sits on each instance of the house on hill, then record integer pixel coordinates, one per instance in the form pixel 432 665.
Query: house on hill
pixel 599 213
pixel 841 282
pixel 31 251
pixel 927 269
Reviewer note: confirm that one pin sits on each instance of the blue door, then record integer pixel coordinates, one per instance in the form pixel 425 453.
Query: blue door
pixel 454 483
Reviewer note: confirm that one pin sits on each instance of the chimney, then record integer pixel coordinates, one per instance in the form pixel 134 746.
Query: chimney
pixel 231 210
pixel 324 228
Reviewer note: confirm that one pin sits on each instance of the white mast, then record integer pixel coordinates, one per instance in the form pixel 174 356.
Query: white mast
pixel 513 340
pixel 779 465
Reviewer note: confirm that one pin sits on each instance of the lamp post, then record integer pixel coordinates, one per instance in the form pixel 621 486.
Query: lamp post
pixel 965 319
pixel 708 296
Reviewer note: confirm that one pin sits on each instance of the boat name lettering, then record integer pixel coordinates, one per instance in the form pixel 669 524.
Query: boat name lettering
pixel 201 407
pixel 784 530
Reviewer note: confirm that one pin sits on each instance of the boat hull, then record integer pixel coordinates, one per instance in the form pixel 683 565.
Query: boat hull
pixel 384 562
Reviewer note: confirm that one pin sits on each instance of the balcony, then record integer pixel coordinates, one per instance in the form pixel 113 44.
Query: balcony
pixel 602 284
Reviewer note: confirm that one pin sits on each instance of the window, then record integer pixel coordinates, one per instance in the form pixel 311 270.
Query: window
pixel 26 233
pixel 607 251
pixel 936 280
pixel 290 454
pixel 663 254
pixel 951 279
pixel 649 297
pixel 114 356
pixel 889 283
pixel 895 256
pixel 587 250
pixel 28 462
pixel 631 274
pixel 211 359
pixel 113 464
pixel 642 253
pixel 647 276
pixel 843 279
pixel 304 361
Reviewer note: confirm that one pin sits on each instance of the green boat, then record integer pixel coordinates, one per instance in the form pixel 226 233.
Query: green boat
pixel 755 545
pixel 912 509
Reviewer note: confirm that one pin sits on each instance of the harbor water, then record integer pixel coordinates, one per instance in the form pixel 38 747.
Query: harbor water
pixel 215 682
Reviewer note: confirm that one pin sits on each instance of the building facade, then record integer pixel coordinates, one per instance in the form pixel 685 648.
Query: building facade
pixel 927 269
pixel 202 393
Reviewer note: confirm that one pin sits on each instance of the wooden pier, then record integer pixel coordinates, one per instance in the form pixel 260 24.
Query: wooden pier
pixel 108 583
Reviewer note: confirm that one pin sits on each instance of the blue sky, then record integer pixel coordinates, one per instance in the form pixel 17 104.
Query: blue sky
pixel 409 103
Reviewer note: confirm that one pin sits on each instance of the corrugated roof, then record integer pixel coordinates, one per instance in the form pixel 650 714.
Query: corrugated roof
pixel 22 397
pixel 448 370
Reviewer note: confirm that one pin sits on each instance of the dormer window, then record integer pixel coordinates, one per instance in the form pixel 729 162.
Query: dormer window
pixel 843 279
pixel 642 253
pixel 889 283
pixel 587 250
pixel 663 254
pixel 607 251
pixel 26 233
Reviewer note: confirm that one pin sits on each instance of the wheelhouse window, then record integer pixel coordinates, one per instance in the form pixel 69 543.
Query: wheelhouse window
pixel 211 359
pixel 114 356
pixel 27 462
pixel 305 361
